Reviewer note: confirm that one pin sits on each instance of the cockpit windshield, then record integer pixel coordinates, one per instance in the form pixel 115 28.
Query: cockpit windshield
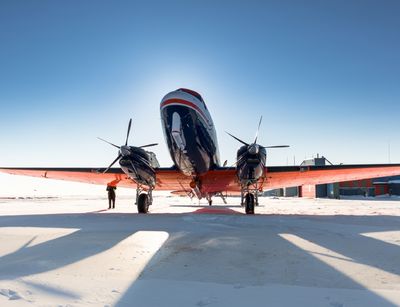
pixel 195 94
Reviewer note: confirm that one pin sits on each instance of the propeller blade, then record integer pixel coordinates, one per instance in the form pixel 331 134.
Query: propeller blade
pixel 119 157
pixel 277 146
pixel 237 139
pixel 258 129
pixel 109 143
pixel 148 145
pixel 129 130
pixel 239 160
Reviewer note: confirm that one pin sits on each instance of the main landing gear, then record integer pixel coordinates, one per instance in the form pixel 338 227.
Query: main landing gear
pixel 249 203
pixel 143 199
pixel 249 199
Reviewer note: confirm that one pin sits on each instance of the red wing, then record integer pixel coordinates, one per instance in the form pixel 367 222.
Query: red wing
pixel 87 175
pixel 225 180
pixel 219 180
pixel 279 177
pixel 167 179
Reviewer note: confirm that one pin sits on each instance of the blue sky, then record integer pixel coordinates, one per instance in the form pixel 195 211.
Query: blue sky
pixel 325 75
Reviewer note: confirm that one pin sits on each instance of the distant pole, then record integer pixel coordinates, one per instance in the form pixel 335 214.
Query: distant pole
pixel 294 160
pixel 389 152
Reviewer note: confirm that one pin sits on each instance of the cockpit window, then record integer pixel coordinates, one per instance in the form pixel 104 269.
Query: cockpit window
pixel 195 94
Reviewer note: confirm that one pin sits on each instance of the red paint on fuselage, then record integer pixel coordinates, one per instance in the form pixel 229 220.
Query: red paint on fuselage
pixel 186 103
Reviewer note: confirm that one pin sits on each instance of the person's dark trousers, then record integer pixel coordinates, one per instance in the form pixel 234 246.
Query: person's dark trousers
pixel 111 200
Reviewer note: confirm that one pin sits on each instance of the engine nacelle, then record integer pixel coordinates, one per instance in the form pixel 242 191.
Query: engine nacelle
pixel 139 165
pixel 250 163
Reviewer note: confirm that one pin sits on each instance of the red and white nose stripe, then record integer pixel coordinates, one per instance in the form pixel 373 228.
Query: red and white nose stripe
pixel 185 103
pixel 179 98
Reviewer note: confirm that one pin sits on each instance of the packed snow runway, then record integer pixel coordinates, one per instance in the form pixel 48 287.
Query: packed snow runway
pixel 69 251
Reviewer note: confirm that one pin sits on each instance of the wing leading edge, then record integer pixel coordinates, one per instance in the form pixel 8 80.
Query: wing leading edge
pixel 277 177
pixel 219 180
pixel 167 178
pixel 224 179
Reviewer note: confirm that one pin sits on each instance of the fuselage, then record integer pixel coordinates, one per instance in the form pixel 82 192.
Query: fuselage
pixel 189 132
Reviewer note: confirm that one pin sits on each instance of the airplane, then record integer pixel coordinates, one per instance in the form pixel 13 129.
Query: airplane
pixel 192 142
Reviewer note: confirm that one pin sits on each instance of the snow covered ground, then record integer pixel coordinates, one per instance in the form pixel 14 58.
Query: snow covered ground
pixel 60 247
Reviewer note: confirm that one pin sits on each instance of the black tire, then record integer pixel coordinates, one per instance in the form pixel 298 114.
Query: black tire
pixel 249 203
pixel 210 202
pixel 143 203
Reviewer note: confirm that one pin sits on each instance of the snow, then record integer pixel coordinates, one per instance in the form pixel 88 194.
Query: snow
pixel 60 247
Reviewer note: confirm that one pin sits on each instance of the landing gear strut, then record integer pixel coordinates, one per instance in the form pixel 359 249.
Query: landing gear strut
pixel 209 200
pixel 143 199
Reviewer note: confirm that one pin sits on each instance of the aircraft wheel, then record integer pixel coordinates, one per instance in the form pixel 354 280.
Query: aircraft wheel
pixel 210 202
pixel 249 203
pixel 143 203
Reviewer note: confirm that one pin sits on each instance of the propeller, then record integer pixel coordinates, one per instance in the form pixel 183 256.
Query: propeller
pixel 124 150
pixel 129 131
pixel 109 143
pixel 258 129
pixel 117 159
pixel 237 139
pixel 276 146
pixel 148 145
pixel 254 147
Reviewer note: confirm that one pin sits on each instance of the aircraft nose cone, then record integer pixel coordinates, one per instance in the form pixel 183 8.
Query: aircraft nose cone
pixel 125 150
